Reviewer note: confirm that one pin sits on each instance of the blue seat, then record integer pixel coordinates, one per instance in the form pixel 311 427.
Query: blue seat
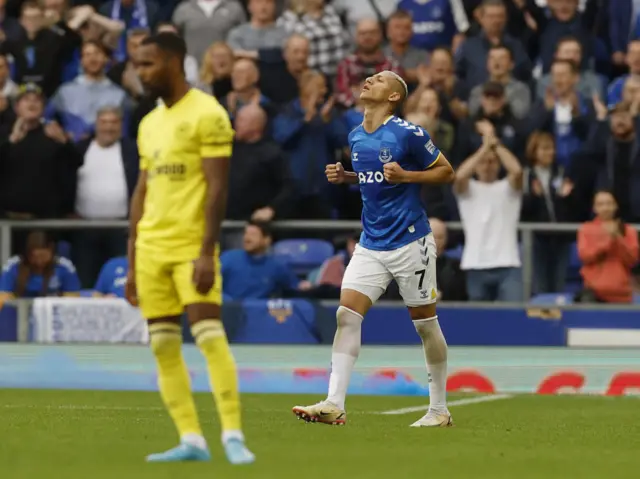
pixel 552 298
pixel 303 255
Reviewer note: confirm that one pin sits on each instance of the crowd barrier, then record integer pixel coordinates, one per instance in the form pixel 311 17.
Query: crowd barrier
pixel 527 231
pixel 283 321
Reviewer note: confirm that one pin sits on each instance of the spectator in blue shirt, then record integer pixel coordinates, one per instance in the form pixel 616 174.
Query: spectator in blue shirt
pixel 112 278
pixel 38 272
pixel 310 131
pixel 616 87
pixel 254 273
pixel 436 23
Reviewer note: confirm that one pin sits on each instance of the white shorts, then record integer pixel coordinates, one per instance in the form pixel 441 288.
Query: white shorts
pixel 413 267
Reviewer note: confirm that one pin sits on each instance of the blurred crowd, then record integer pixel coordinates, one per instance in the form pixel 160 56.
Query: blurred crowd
pixel 534 102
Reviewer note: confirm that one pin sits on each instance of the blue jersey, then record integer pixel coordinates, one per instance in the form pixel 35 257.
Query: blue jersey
pixel 433 22
pixel 392 215
pixel 113 277
pixel 63 280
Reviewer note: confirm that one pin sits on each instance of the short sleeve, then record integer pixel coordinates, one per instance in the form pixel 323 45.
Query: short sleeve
pixel 422 148
pixel 8 278
pixel 69 281
pixel 216 133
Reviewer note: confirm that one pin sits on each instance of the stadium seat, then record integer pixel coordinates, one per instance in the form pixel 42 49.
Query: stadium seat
pixel 303 255
pixel 552 298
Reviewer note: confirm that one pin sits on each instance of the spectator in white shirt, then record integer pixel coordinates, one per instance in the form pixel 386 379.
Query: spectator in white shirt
pixel 105 181
pixel 490 209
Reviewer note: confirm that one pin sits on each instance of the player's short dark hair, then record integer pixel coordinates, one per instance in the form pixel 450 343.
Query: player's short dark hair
pixel 263 226
pixel 501 46
pixel 168 43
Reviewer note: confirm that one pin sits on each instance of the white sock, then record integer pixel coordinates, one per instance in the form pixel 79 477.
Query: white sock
pixel 195 440
pixel 435 353
pixel 346 348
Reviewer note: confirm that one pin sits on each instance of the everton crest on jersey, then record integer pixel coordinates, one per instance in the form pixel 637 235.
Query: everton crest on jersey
pixel 392 214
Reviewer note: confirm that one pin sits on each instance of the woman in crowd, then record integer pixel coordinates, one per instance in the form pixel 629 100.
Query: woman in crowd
pixel 608 249
pixel 215 72
pixel 38 272
pixel 547 196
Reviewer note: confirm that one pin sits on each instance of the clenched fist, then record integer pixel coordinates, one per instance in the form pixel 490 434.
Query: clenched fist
pixel 335 173
pixel 394 173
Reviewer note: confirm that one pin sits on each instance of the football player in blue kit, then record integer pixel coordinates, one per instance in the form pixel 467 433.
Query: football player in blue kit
pixel 391 160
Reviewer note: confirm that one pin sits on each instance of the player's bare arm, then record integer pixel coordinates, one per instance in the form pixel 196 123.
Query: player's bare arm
pixel 439 173
pixel 337 175
pixel 135 214
pixel 511 164
pixel 216 173
pixel 468 168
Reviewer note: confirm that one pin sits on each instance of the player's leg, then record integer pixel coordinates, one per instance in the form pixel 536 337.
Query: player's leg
pixel 414 269
pixel 159 302
pixel 207 329
pixel 364 282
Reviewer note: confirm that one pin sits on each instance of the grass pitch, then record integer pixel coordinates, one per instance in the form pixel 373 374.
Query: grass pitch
pixel 100 435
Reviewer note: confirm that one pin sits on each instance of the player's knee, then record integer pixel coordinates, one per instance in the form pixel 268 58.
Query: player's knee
pixel 355 301
pixel 422 312
pixel 165 339
pixel 347 318
pixel 208 332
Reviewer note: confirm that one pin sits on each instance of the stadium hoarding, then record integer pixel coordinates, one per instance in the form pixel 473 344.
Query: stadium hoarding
pixel 304 369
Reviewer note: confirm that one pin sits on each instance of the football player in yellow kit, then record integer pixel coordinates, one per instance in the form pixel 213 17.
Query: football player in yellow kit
pixel 176 213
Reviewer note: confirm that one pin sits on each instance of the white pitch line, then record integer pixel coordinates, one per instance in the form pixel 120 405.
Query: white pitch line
pixel 459 402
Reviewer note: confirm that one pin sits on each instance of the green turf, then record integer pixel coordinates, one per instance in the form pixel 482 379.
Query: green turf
pixel 95 435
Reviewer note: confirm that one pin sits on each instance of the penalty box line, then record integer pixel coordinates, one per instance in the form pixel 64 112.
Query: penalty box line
pixel 458 402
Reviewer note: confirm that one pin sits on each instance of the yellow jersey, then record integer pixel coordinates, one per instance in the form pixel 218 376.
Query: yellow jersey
pixel 172 143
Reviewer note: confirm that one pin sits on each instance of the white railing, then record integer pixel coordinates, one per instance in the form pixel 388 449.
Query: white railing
pixel 526 233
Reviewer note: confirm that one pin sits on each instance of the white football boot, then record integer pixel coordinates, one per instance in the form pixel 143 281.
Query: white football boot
pixel 324 412
pixel 434 419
